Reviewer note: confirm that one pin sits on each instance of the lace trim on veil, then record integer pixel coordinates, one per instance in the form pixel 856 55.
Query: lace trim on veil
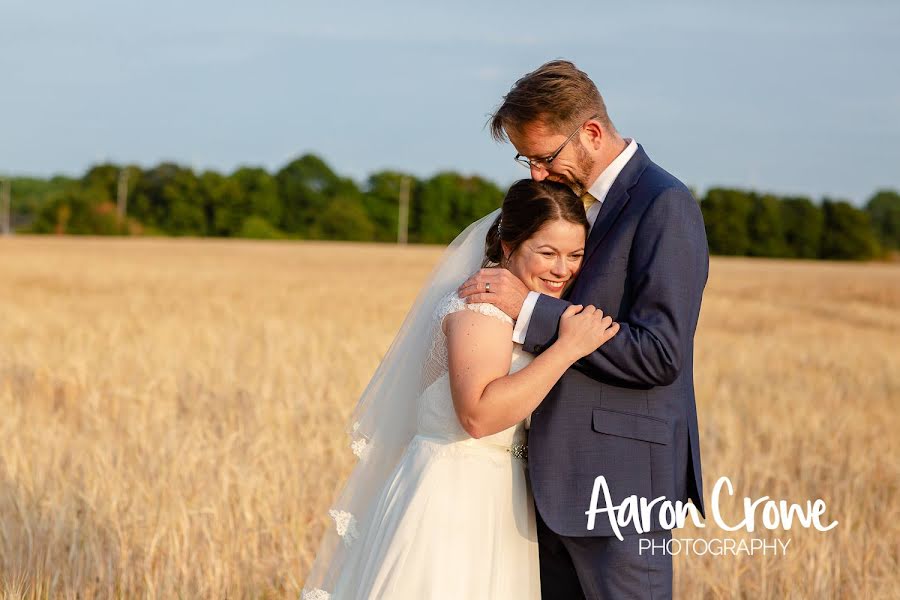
pixel 383 417
pixel 345 523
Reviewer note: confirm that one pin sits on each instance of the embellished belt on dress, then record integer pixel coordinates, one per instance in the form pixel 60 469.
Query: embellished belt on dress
pixel 519 451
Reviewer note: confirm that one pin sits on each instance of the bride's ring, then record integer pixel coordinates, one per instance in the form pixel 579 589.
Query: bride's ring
pixel 487 287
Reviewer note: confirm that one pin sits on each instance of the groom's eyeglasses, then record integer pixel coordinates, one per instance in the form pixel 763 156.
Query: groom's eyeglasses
pixel 545 162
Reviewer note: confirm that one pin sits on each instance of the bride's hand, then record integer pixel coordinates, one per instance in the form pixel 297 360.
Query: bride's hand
pixel 583 329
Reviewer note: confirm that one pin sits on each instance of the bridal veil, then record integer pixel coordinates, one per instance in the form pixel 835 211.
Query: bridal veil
pixel 384 420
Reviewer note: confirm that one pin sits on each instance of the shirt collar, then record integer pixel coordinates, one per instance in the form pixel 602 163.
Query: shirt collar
pixel 601 187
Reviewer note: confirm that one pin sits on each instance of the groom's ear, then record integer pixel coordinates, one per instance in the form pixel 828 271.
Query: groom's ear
pixel 594 133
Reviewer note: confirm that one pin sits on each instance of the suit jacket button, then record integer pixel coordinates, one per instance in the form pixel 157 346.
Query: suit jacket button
pixel 537 348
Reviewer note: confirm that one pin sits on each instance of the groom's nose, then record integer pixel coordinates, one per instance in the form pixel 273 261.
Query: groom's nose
pixel 538 173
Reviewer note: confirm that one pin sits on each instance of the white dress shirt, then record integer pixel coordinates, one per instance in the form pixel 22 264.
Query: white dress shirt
pixel 599 189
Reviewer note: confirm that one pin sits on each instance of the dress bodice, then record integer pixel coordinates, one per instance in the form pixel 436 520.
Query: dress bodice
pixel 436 415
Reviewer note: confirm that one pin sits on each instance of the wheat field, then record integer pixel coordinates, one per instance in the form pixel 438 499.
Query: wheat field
pixel 172 413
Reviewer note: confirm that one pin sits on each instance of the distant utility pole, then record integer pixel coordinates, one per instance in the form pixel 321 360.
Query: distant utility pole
pixel 122 203
pixel 403 217
pixel 4 206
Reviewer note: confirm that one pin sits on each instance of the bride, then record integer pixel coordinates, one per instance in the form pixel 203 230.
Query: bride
pixel 438 506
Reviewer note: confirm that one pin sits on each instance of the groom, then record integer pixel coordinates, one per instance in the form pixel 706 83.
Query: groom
pixel 627 411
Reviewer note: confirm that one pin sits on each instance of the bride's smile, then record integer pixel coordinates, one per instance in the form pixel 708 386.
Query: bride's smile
pixel 550 259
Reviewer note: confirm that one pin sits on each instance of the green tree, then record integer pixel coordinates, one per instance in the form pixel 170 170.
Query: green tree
pixel 726 214
pixel 30 195
pixel 307 199
pixel 225 206
pixel 256 227
pixel 446 203
pixel 848 234
pixel 765 228
pixel 344 219
pixel 884 211
pixel 803 223
pixel 381 201
pixel 261 192
pixel 307 186
pixel 168 198
pixel 104 179
pixel 78 211
pixel 477 198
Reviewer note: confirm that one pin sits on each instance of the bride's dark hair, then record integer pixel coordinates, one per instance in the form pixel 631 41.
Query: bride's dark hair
pixel 528 206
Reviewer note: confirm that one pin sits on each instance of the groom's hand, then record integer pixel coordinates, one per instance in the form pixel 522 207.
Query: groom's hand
pixel 495 286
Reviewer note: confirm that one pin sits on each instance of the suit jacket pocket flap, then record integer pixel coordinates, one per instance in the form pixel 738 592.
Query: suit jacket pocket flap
pixel 630 425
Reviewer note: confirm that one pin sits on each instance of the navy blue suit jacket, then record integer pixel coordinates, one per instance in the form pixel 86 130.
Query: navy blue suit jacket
pixel 627 410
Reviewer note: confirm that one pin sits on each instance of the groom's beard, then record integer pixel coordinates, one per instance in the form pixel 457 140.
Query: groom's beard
pixel 577 180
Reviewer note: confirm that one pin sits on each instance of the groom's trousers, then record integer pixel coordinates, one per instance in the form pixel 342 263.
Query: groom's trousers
pixel 604 568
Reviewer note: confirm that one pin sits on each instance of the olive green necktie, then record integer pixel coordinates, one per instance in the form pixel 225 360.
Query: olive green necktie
pixel 587 200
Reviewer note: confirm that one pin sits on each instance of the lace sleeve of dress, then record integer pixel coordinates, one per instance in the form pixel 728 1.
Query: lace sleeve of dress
pixel 490 310
pixel 454 303
pixel 438 362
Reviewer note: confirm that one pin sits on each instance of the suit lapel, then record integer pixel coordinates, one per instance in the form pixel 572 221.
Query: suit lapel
pixel 615 200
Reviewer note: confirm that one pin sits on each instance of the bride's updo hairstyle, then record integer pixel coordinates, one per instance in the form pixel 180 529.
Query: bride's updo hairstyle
pixel 527 207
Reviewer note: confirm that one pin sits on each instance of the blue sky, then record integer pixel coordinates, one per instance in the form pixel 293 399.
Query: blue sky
pixel 799 98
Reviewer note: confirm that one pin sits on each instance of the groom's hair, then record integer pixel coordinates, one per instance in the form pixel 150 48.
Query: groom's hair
pixel 557 93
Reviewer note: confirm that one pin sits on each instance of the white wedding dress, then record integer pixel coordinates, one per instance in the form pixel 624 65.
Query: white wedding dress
pixel 455 520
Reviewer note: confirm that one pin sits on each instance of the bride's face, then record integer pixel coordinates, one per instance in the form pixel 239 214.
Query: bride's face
pixel 547 261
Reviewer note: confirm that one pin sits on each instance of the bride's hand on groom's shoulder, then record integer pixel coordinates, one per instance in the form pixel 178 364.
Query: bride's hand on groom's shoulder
pixel 583 329
pixel 495 286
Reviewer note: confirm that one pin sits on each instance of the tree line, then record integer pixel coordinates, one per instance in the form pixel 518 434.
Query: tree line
pixel 306 199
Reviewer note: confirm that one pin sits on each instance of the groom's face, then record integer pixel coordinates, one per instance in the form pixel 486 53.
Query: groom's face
pixel 572 166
